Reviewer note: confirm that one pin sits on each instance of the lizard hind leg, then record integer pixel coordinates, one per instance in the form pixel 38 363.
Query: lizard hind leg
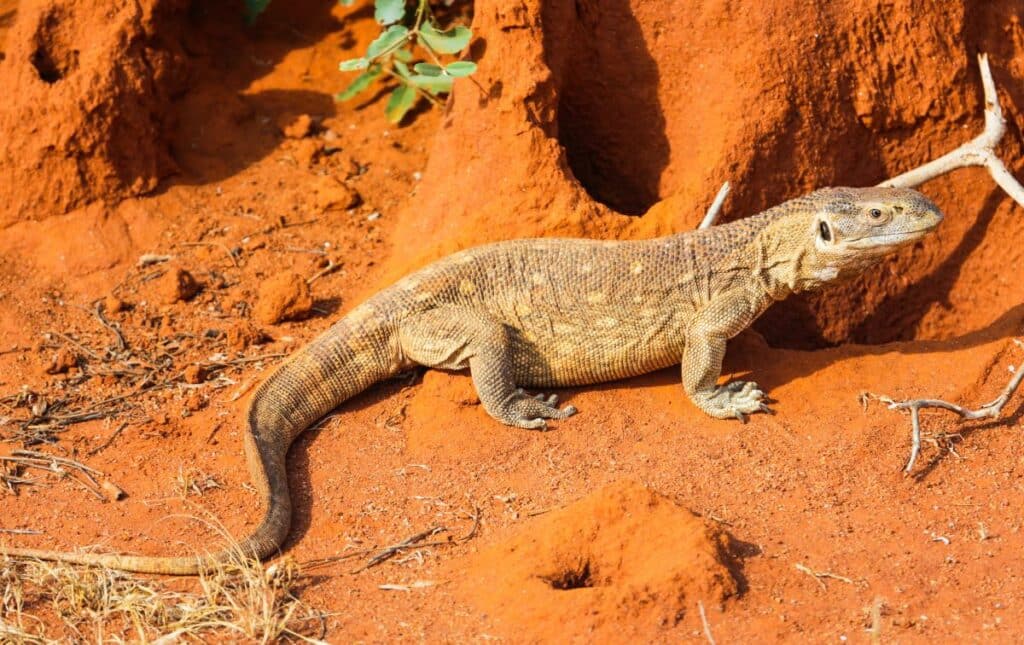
pixel 455 337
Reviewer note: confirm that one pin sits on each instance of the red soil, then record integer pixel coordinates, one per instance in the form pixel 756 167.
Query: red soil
pixel 221 146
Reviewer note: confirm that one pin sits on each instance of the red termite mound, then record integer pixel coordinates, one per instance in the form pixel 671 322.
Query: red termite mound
pixel 87 111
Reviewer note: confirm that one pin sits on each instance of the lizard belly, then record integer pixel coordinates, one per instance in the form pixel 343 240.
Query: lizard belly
pixel 592 351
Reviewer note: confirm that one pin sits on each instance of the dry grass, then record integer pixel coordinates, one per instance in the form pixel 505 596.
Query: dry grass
pixel 47 602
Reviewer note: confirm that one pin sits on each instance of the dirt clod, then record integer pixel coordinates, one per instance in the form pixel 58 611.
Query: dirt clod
pixel 62 360
pixel 176 285
pixel 195 401
pixel 285 296
pixel 194 374
pixel 243 334
pixel 112 304
pixel 296 127
pixel 332 194
pixel 308 151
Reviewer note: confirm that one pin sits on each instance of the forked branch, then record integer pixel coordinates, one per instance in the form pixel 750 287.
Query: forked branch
pixel 990 410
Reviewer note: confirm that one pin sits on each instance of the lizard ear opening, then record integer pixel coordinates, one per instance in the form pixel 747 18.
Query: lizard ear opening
pixel 824 231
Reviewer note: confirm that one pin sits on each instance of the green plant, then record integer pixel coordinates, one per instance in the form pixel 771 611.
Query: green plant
pixel 408 26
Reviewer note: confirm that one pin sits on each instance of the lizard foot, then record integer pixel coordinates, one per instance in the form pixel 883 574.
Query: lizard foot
pixel 530 412
pixel 735 400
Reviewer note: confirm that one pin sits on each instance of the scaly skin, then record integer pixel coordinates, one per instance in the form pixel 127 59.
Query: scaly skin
pixel 557 312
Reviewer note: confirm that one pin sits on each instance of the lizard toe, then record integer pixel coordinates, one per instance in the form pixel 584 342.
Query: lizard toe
pixel 550 400
pixel 735 400
pixel 528 408
pixel 531 424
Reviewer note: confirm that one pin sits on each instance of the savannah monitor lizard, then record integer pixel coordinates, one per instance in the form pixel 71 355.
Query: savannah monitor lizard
pixel 558 312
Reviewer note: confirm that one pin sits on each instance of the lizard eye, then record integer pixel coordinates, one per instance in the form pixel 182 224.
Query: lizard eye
pixel 824 231
pixel 876 213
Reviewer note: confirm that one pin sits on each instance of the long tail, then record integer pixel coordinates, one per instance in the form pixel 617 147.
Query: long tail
pixel 352 355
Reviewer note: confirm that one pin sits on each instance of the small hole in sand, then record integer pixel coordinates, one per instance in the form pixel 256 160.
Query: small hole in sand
pixel 572 579
pixel 50 70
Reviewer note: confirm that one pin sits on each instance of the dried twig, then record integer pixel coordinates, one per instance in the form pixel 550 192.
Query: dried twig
pixel 413 541
pixel 122 344
pixel 990 410
pixel 109 440
pixel 875 631
pixel 716 207
pixel 979 151
pixel 704 622
pixel 330 268
pixel 419 584
pixel 57 465
pixel 818 575
pixel 77 345
pixel 149 259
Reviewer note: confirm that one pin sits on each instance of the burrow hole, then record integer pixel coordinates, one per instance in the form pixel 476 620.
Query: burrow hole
pixel 576 578
pixel 52 58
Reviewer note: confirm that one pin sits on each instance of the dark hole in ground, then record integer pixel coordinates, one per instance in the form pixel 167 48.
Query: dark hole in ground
pixel 47 68
pixel 572 579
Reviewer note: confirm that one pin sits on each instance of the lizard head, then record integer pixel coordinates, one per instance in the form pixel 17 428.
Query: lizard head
pixel 853 228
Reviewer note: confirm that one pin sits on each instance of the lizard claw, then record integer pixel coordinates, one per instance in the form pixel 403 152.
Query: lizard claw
pixel 525 411
pixel 734 400
pixel 551 400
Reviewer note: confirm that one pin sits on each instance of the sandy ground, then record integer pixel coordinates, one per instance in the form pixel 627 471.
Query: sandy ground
pixel 677 509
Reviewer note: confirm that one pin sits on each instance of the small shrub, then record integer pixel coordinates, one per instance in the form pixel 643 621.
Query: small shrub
pixel 410 28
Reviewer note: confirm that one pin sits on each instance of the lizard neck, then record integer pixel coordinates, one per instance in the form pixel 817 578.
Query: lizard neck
pixel 781 261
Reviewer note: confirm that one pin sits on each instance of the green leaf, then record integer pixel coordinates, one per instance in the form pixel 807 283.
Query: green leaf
pixel 346 3
pixel 460 68
pixel 387 12
pixel 428 69
pixel 403 54
pixel 254 8
pixel 361 83
pixel 402 69
pixel 353 64
pixel 401 100
pixel 391 37
pixel 433 84
pixel 445 42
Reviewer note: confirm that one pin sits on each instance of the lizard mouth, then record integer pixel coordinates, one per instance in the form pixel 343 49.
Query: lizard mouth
pixel 889 239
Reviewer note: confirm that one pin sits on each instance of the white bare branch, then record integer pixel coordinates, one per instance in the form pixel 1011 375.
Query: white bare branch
pixel 980 151
pixel 716 207
pixel 990 410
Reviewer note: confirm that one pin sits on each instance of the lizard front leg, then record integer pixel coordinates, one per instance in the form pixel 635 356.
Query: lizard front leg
pixel 702 365
pixel 455 337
